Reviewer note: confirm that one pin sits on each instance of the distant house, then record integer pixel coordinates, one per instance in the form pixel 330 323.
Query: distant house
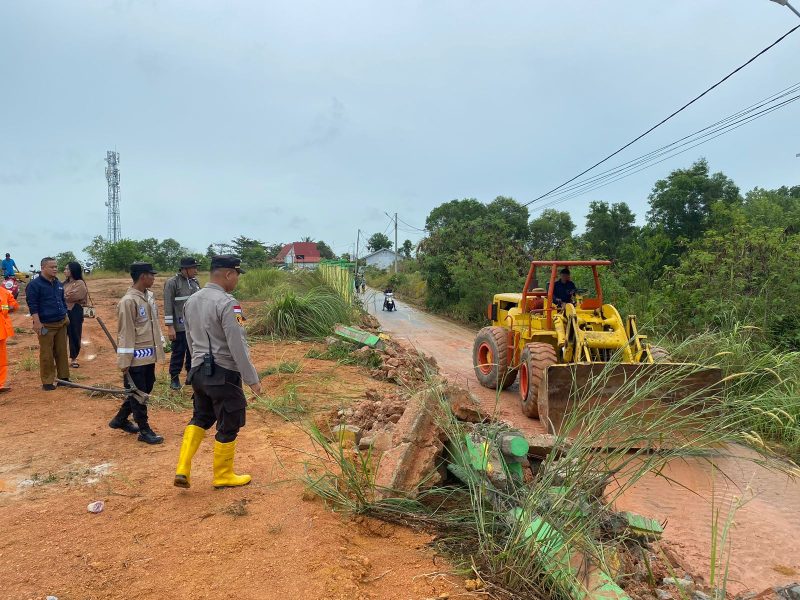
pixel 299 255
pixel 382 259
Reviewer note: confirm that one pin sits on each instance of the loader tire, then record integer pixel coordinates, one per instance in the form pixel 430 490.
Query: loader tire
pixel 491 357
pixel 535 359
pixel 660 355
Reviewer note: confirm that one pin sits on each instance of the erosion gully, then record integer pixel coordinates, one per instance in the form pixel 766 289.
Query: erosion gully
pixel 765 542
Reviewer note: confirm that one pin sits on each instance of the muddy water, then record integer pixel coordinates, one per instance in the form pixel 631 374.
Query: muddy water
pixel 765 540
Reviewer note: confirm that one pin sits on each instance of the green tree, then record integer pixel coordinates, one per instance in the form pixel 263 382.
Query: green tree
pixel 96 249
pixel 681 204
pixel 407 248
pixel 378 241
pixel 608 228
pixel 273 250
pixel 325 251
pixel 550 232
pixel 62 258
pixel 118 256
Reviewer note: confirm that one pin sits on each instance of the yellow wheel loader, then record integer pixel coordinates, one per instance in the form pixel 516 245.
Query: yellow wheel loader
pixel 562 340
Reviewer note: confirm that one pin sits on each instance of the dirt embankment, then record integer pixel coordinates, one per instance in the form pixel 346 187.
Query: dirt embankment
pixel 267 540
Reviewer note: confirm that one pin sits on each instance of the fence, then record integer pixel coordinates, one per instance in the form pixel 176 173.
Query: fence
pixel 339 275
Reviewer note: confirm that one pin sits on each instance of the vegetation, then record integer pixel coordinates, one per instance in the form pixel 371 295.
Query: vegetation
pixel 378 241
pixel 342 352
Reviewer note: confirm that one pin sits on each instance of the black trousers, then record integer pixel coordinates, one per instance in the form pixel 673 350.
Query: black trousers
pixel 219 399
pixel 144 378
pixel 75 330
pixel 180 356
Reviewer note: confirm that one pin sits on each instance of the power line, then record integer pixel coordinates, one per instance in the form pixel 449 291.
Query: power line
pixel 707 137
pixel 412 227
pixel 660 123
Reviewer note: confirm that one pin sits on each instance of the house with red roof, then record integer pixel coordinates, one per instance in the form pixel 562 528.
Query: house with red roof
pixel 299 255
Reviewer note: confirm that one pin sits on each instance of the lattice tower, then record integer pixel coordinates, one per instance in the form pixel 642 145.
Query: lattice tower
pixel 112 176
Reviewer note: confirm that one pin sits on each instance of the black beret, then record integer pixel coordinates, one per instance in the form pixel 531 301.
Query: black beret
pixel 143 267
pixel 226 261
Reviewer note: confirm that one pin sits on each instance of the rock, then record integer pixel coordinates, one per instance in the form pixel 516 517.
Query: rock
pixel 417 443
pixel 96 507
pixel 464 405
pixel 684 584
pixel 540 445
pixel 472 585
pixel 698 595
pixel 382 441
pixel 392 362
pixel 52 598
pixel 390 351
pixel 391 374
pixel 363 351
pixel 330 340
pixel 346 433
pixel 663 595
pixel 790 592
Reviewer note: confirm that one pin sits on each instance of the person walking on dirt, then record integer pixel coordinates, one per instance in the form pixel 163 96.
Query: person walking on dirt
pixel 8 304
pixel 9 266
pixel 177 290
pixel 220 363
pixel 45 298
pixel 139 347
pixel 77 295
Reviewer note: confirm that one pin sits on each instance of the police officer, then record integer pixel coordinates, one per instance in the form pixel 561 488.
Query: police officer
pixel 139 347
pixel 220 363
pixel 177 290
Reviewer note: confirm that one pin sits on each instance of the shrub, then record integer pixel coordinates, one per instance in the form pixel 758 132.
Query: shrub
pixel 305 315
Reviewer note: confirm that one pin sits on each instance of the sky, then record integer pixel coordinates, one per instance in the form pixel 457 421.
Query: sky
pixel 279 120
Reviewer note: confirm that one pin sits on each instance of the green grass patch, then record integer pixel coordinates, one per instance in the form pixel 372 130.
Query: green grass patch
pixel 285 366
pixel 304 315
pixel 342 352
pixel 289 405
pixel 29 362
pixel 164 397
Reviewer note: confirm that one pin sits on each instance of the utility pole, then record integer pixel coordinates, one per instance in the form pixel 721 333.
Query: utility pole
pixel 395 243
pixel 787 5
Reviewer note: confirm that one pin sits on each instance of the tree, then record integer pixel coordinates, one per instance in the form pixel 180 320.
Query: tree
pixel 325 251
pixel 62 258
pixel 407 248
pixel 550 232
pixel 118 256
pixel 681 204
pixel 96 249
pixel 307 239
pixel 378 241
pixel 273 250
pixel 608 228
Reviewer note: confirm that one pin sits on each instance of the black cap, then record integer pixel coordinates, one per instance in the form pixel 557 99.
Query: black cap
pixel 565 271
pixel 187 262
pixel 142 267
pixel 7 254
pixel 226 261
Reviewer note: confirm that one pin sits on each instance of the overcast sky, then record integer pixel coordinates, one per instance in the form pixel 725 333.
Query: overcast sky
pixel 281 120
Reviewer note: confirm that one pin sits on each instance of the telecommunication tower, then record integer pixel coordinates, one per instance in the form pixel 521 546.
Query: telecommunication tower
pixel 112 176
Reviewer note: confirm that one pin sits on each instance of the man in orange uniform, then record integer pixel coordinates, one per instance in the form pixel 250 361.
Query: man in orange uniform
pixel 7 305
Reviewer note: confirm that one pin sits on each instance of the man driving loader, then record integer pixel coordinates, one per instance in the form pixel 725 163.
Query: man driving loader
pixel 564 289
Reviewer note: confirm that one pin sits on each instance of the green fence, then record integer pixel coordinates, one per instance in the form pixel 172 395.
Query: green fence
pixel 339 275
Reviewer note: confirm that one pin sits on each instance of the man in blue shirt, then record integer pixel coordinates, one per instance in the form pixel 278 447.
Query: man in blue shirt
pixel 45 298
pixel 9 266
pixel 564 288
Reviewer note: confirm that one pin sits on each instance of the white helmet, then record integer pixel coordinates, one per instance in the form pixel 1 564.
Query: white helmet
pixel 8 284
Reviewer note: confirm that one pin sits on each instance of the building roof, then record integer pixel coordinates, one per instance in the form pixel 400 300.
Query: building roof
pixel 390 251
pixel 308 250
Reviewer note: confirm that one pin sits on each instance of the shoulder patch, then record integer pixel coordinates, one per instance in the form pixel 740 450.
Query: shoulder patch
pixel 237 311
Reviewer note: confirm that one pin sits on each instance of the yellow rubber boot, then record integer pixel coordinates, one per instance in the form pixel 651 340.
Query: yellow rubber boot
pixel 192 436
pixel 223 466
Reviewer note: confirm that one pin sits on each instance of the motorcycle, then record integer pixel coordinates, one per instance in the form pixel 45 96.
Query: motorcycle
pixel 12 283
pixel 388 302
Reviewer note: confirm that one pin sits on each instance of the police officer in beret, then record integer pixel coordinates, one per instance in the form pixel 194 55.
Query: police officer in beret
pixel 177 290
pixel 139 346
pixel 220 363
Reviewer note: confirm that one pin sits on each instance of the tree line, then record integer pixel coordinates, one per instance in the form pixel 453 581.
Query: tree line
pixel 705 254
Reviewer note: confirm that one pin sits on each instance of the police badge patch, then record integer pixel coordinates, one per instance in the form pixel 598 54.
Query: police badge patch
pixel 142 312
pixel 237 310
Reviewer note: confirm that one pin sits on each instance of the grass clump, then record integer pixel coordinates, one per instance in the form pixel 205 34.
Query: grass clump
pixel 259 284
pixel 289 405
pixel 164 397
pixel 29 362
pixel 305 315
pixel 343 353
pixel 285 367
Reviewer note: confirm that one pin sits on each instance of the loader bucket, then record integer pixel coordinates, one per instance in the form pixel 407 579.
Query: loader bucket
pixel 639 399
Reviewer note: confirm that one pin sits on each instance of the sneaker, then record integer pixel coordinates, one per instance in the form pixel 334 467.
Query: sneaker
pixel 175 384
pixel 123 424
pixel 3 390
pixel 48 387
pixel 148 436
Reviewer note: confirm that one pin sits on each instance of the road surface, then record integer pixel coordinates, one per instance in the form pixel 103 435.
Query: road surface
pixel 766 537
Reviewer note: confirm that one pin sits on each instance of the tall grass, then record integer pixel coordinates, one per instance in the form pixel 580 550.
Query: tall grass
pixel 260 284
pixel 764 381
pixel 305 315
pixel 539 539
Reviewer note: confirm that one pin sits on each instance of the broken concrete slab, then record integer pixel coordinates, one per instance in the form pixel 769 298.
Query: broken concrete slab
pixel 358 336
pixel 346 434
pixel 465 406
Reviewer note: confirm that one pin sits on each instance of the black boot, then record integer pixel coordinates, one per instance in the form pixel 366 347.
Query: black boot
pixel 124 424
pixel 148 436
pixel 175 383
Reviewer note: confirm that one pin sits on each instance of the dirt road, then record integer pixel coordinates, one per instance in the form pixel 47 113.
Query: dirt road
pixel 766 537
pixel 270 539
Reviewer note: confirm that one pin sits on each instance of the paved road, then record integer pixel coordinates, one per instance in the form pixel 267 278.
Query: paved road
pixel 451 345
pixel 766 538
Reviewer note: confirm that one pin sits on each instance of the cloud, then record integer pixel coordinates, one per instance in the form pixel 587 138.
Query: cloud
pixel 325 127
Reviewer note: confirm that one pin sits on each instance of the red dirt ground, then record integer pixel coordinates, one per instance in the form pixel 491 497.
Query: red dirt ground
pixel 266 540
